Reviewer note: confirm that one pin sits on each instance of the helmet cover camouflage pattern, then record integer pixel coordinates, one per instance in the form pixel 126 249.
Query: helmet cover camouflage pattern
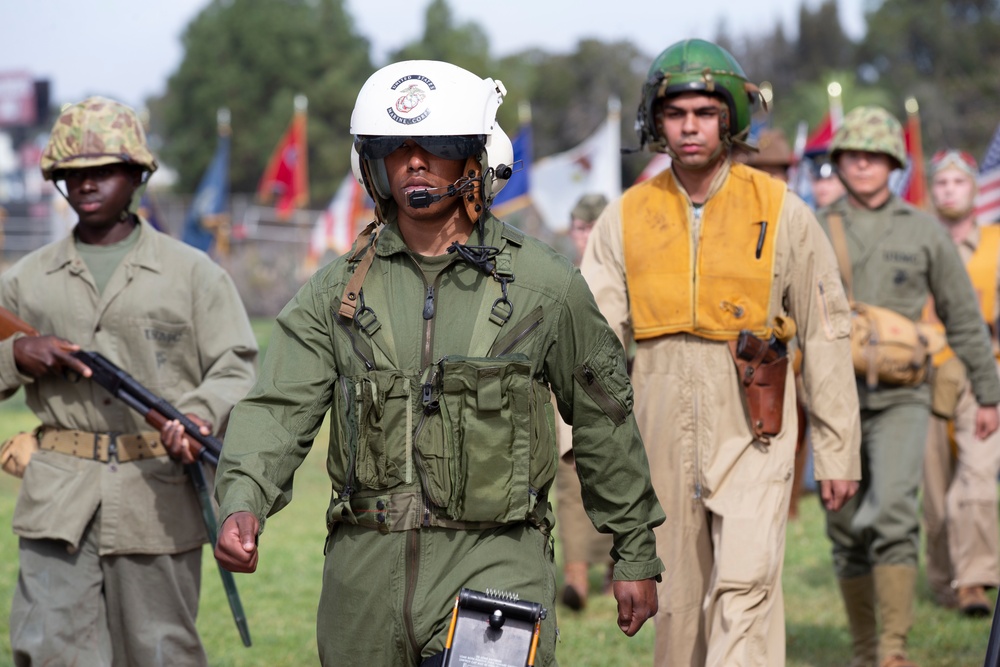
pixel 589 207
pixel 871 129
pixel 95 132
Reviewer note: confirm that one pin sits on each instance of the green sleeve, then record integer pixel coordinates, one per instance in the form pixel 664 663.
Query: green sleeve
pixel 586 367
pixel 957 307
pixel 272 430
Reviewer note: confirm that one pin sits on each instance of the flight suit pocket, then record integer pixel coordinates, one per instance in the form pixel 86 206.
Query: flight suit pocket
pixel 604 377
pixel 381 401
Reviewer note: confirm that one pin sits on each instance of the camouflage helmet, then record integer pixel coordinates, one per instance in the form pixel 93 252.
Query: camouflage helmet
pixel 694 65
pixel 95 132
pixel 871 129
pixel 589 208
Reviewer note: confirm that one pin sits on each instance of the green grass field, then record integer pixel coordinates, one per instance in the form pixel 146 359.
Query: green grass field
pixel 280 598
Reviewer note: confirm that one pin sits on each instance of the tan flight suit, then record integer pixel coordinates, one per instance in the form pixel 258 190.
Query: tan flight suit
pixel 726 499
pixel 960 492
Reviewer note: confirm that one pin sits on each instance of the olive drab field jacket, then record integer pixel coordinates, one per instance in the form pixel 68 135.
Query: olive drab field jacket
pixel 899 257
pixel 171 318
pixel 439 396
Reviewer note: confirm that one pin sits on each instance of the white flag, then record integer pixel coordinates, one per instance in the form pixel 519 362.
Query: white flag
pixel 338 226
pixel 595 166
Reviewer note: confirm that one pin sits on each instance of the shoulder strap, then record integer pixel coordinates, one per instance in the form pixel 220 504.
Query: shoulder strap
pixel 349 299
pixel 839 240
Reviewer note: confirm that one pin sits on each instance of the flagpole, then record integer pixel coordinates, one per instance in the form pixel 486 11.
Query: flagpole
pixel 223 223
pixel 917 188
pixel 833 92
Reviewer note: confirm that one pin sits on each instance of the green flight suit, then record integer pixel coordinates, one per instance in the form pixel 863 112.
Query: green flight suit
pixel 442 447
pixel 900 256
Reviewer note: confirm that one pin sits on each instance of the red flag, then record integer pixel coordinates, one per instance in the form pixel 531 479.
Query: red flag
pixel 916 187
pixel 287 174
pixel 818 142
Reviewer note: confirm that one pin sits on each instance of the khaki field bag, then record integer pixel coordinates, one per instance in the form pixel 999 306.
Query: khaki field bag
pixel 886 347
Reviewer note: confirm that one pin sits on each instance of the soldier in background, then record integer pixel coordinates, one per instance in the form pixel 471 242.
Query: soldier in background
pixel 960 468
pixel 582 545
pixel 773 155
pixel 896 257
pixel 826 187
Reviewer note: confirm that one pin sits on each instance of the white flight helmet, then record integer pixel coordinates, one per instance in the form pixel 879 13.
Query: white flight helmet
pixel 447 110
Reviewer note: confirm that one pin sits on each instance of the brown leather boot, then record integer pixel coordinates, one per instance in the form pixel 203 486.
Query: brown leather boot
pixel 575 580
pixel 859 602
pixel 972 601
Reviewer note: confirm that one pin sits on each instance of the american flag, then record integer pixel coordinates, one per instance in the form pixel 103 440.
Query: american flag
pixel 988 199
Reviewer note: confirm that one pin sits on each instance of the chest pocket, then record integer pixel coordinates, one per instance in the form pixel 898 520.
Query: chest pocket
pixel 384 415
pixel 492 447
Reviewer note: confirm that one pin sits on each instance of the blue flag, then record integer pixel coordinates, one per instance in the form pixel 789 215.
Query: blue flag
pixel 211 200
pixel 514 196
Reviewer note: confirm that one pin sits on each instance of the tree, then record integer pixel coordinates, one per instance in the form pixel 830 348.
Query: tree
pixel 254 57
pixel 946 54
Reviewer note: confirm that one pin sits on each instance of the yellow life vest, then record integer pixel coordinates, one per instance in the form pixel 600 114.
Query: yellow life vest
pixel 982 269
pixel 717 287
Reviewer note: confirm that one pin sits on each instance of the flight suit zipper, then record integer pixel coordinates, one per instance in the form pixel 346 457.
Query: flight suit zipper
pixel 368 363
pixel 413 557
pixel 587 378
pixel 352 443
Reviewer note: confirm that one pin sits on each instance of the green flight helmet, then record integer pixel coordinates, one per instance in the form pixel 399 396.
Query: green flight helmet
pixel 871 129
pixel 695 65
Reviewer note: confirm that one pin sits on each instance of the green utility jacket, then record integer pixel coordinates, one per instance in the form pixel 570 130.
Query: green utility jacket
pixel 900 256
pixel 172 319
pixel 441 412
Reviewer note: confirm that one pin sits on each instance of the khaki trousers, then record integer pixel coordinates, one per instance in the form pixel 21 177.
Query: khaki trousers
pixel 99 611
pixel 960 503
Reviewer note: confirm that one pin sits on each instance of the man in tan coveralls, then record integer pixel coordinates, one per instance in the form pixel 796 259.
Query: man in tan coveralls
pixel 684 262
pixel 960 492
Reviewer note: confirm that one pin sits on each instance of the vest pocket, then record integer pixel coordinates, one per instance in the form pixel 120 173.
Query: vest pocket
pixel 381 402
pixel 495 432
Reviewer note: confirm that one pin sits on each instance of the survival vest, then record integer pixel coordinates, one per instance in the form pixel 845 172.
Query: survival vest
pixel 713 288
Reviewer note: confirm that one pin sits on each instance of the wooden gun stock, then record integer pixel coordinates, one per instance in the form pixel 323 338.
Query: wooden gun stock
pixel 11 324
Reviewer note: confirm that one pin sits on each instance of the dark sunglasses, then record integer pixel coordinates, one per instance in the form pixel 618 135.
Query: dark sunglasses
pixel 449 148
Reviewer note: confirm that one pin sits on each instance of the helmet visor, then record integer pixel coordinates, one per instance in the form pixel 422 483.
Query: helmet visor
pixel 449 148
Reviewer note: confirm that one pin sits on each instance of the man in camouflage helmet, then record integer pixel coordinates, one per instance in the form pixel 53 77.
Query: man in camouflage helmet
pixel 685 262
pixel 899 257
pixel 110 526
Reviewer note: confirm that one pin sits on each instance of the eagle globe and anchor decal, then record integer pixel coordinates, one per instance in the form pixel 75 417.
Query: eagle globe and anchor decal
pixel 414 89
